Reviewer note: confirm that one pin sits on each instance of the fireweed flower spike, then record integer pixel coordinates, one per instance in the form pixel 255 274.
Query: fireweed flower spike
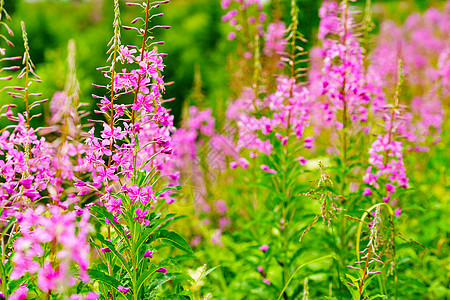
pixel 345 93
pixel 418 42
pixel 127 157
pixel 387 170
pixel 26 165
pixel 29 170
pixel 270 117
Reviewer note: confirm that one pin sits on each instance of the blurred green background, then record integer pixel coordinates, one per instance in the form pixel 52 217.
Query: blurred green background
pixel 196 41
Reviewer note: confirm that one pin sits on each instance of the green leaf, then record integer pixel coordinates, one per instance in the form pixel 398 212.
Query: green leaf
pixel 100 276
pixel 175 187
pixel 100 211
pixel 366 283
pixel 206 273
pixel 144 277
pixel 152 228
pixel 299 268
pixel 352 279
pixel 354 292
pixel 80 286
pixel 175 240
pixel 113 249
pixel 165 278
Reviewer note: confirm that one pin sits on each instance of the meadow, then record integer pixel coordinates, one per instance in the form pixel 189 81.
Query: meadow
pixel 233 149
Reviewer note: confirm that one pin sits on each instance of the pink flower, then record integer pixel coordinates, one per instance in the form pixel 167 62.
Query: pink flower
pixel 89 296
pixel 105 249
pixel 26 182
pixel 216 237
pixel 268 169
pixel 390 188
pixel 308 142
pixel 275 41
pixel 266 281
pixel 116 132
pixel 367 192
pixel 140 216
pixel 302 160
pixel 32 194
pixel 162 270
pixel 127 54
pixel 264 248
pixel 260 269
pixel 20 293
pixel 105 173
pixel 398 212
pixel 225 3
pixel 223 222
pixel 148 254
pixel 231 36
pixel 221 206
pixel 262 17
pixel 47 278
pixel 247 55
pixel 231 14
pixel 123 289
pixel 243 163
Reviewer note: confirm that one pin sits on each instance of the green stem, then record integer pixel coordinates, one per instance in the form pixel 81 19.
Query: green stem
pixel 337 263
pixel 136 92
pixel 298 269
pixel 345 108
pixel 3 275
pixel 285 231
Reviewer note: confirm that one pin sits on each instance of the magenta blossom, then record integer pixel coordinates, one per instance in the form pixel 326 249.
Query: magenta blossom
pixel 302 160
pixel 367 192
pixel 123 289
pixel 105 250
pixel 148 254
pixel 20 293
pixel 47 278
pixel 162 270
pixel 264 248
pixel 268 169
pixel 140 216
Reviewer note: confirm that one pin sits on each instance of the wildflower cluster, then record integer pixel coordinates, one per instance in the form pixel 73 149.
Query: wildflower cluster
pixel 343 78
pixel 59 236
pixel 88 208
pixel 421 44
pixel 277 119
pixel 34 218
pixel 112 176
